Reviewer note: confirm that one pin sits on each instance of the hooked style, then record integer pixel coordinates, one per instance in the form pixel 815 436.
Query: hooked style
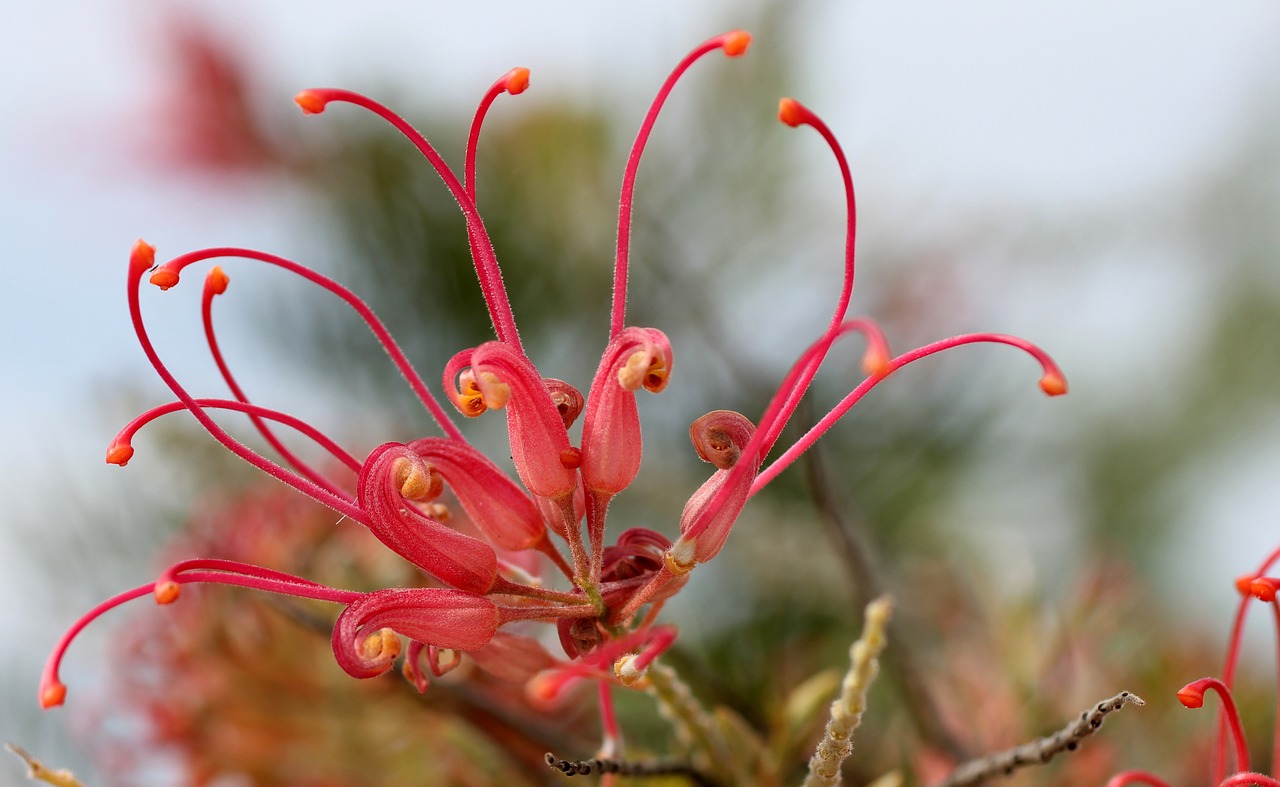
pixel 394 490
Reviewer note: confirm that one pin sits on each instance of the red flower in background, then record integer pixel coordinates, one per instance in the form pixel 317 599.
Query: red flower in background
pixel 1230 730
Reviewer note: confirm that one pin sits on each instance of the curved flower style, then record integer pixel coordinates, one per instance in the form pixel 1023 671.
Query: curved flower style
pixel 561 485
pixel 1251 586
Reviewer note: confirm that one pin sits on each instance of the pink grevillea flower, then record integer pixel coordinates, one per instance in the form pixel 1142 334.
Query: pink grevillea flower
pixel 600 613
pixel 1251 586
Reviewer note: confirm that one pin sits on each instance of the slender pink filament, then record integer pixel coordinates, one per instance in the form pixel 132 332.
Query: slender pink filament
pixel 491 286
pixel 799 114
pixel 474 238
pixel 621 262
pixel 852 398
pixel 233 573
pixel 504 84
pixel 380 332
pixel 178 572
pixel 338 503
pixel 290 458
pixel 1196 690
pixel 1229 672
pixel 126 434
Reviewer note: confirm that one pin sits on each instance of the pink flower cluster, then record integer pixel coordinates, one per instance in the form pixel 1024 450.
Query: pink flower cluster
pixel 606 605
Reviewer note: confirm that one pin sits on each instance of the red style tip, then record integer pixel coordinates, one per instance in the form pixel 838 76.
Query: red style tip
pixel 1053 384
pixel 217 280
pixel 1192 694
pixel 142 256
pixel 311 102
pixel 119 454
pixel 52 694
pixel 736 42
pixel 164 279
pixel 1263 588
pixel 517 81
pixel 790 112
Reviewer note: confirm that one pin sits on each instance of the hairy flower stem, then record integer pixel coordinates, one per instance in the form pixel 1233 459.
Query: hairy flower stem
pixel 694 727
pixel 860 562
pixel 846 712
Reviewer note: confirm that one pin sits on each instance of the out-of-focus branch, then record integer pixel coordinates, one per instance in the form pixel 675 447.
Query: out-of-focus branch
pixel 1039 751
pixel 857 556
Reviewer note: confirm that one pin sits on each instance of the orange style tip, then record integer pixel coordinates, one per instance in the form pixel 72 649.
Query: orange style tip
pixel 1053 384
pixel 517 81
pixel 875 364
pixel 1263 589
pixel 217 280
pixel 164 279
pixel 119 454
pixel 167 592
pixel 1244 584
pixel 310 101
pixel 142 256
pixel 52 695
pixel 1190 697
pixel 736 42
pixel 571 458
pixel 790 112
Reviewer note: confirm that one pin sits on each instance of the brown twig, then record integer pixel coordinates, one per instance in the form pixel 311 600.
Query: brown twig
pixel 1039 751
pixel 627 768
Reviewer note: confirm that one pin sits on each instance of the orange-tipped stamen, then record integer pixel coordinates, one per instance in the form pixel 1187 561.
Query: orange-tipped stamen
pixel 1192 696
pixel 339 503
pixel 736 42
pixel 793 113
pixel 167 592
pixel 486 263
pixel 164 279
pixel 119 453
pixel 1229 668
pixel 733 43
pixel 216 281
pixel 1047 364
pixel 121 449
pixel 224 572
pixel 215 284
pixel 1264 588
pixel 1053 384
pixel 312 102
pixel 142 256
pixel 515 82
pixel 52 694
pixel 380 332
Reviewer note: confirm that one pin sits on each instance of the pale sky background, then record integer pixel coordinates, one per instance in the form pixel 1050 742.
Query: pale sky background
pixel 1069 106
